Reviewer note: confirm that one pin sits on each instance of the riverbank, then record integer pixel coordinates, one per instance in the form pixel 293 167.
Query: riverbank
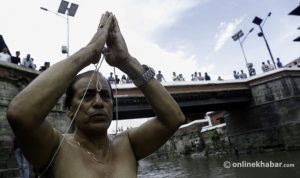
pixel 200 140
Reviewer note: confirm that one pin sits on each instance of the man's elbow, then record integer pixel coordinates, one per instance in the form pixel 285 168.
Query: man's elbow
pixel 13 113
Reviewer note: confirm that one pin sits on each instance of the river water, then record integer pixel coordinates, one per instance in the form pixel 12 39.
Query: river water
pixel 251 166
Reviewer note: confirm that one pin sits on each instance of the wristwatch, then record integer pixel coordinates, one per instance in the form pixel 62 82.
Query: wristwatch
pixel 149 74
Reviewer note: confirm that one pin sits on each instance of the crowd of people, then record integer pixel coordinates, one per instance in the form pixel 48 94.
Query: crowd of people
pixel 237 75
pixel 197 76
pixel 194 77
pixel 295 65
pixel 27 62
pixel 114 79
pixel 265 67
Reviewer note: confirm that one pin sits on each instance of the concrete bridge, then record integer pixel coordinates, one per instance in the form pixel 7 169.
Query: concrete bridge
pixel 194 98
pixel 262 111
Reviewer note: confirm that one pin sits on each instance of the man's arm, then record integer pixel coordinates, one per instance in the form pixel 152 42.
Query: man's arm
pixel 154 133
pixel 27 111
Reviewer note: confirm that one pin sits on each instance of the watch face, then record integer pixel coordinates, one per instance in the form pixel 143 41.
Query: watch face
pixel 149 74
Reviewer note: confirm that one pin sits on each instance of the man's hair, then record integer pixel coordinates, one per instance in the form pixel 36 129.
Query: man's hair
pixel 70 90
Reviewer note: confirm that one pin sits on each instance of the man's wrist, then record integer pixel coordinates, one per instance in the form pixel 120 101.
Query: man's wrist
pixel 148 75
pixel 85 55
pixel 132 68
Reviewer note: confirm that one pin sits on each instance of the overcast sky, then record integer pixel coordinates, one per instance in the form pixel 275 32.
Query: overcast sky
pixel 170 35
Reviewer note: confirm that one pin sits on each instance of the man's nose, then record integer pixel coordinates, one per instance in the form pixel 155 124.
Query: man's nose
pixel 98 100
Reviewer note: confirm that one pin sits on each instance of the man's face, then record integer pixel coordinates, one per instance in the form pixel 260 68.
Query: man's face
pixel 95 113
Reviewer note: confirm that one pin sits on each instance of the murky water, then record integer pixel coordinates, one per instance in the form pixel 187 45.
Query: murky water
pixel 262 166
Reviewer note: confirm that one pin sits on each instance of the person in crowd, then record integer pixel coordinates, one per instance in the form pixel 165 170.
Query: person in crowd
pixel 295 65
pixel 219 78
pixel 279 64
pixel 28 62
pixel 4 55
pixel 175 77
pixel 33 64
pixel 160 77
pixel 123 79
pixel 194 78
pixel 264 67
pixel 235 75
pixel 206 76
pixel 200 78
pixel 128 79
pixel 111 78
pixel 180 77
pixel 21 160
pixel 90 151
pixel 117 79
pixel 243 75
pixel 251 69
pixel 270 66
pixel 16 59
pixel 45 67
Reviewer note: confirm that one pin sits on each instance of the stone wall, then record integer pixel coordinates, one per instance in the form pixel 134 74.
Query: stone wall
pixel 216 141
pixel 185 141
pixel 13 79
pixel 272 120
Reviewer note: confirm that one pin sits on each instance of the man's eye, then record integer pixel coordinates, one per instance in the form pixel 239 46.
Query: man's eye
pixel 88 95
pixel 105 95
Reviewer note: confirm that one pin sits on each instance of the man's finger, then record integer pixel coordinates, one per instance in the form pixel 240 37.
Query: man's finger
pixel 108 21
pixel 116 24
pixel 101 22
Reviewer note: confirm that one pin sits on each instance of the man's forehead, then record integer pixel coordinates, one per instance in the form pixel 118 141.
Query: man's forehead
pixel 83 82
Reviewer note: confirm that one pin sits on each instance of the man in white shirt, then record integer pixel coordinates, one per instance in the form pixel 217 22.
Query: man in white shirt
pixel 28 62
pixel 4 56
pixel 243 75
pixel 270 66
pixel 264 67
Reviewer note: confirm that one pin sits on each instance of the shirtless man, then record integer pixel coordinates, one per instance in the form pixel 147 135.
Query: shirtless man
pixel 90 152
